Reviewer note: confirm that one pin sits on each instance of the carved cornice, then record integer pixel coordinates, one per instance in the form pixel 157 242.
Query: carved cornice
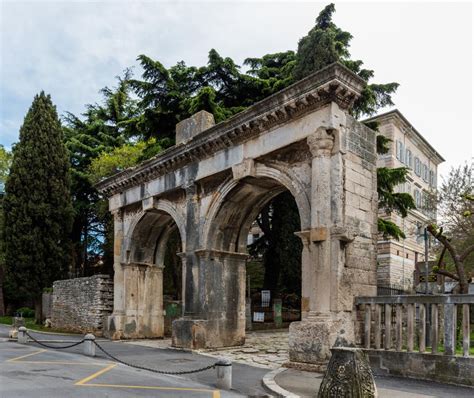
pixel 334 83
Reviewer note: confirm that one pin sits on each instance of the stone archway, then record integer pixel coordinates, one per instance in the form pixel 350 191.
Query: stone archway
pixel 229 221
pixel 213 183
pixel 138 304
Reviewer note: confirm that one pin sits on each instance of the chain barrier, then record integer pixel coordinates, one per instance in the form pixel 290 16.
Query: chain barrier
pixel 54 347
pixel 183 372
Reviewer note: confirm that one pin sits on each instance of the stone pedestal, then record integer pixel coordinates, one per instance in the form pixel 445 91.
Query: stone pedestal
pixel 309 342
pixel 348 375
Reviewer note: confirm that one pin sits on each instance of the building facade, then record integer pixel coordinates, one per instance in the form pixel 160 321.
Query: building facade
pixel 396 260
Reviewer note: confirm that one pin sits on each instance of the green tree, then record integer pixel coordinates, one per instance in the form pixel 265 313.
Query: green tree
pixel 103 127
pixel 5 161
pixel 456 234
pixel 37 206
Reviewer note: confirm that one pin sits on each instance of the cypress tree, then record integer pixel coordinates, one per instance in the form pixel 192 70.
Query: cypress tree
pixel 37 206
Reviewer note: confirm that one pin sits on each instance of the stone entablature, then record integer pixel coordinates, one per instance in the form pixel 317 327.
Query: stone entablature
pixel 211 189
pixel 334 83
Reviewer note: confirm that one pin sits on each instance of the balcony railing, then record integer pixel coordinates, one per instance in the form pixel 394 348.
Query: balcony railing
pixel 417 322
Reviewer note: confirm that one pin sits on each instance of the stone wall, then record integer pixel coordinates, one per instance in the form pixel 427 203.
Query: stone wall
pixel 440 368
pixel 82 304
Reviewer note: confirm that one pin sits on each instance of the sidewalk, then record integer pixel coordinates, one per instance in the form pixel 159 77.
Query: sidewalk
pixel 295 383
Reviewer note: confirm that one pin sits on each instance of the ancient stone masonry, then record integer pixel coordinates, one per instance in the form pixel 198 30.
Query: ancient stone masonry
pixel 82 304
pixel 211 186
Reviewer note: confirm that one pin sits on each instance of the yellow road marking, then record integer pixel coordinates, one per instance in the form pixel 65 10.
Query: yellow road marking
pixel 96 374
pixel 215 393
pixel 67 363
pixel 25 356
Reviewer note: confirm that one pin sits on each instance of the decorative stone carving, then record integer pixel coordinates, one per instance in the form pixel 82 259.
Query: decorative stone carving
pixel 321 143
pixel 348 375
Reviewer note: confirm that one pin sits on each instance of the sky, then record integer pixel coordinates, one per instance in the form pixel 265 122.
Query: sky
pixel 72 49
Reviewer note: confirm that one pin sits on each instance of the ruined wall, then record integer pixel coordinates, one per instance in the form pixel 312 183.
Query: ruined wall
pixel 82 304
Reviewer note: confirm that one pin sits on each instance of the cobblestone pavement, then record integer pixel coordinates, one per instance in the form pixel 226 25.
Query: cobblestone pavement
pixel 265 349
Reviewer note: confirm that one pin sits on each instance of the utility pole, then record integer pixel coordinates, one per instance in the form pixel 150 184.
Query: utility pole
pixel 426 261
pixel 428 307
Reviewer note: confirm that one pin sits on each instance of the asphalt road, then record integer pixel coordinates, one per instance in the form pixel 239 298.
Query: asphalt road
pixel 34 371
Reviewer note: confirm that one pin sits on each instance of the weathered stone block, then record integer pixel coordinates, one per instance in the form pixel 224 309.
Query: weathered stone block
pixel 309 342
pixel 190 127
pixel 189 333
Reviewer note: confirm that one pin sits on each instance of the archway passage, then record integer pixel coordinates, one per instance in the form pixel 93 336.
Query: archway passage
pixel 274 265
pixel 226 255
pixel 149 251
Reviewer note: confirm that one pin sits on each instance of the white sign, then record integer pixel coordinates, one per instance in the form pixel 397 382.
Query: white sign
pixel 259 317
pixel 265 298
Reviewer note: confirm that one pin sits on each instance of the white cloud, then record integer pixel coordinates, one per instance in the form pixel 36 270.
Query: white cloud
pixel 72 49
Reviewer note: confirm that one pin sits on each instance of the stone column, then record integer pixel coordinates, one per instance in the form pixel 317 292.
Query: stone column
pixel 321 144
pixel 310 340
pixel 190 277
pixel 115 321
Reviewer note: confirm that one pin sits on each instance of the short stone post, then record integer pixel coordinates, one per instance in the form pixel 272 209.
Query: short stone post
pixel 277 316
pixel 89 345
pixel 22 337
pixel 224 374
pixel 348 375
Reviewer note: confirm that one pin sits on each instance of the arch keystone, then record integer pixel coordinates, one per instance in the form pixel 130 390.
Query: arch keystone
pixel 244 169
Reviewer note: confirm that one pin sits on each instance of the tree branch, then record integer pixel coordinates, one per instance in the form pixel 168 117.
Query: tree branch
pixel 447 273
pixel 466 252
pixel 440 261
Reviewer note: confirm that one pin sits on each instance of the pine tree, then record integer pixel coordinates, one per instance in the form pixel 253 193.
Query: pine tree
pixel 37 206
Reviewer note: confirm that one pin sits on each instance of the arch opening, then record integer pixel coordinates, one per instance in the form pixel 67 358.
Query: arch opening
pixel 152 276
pixel 259 216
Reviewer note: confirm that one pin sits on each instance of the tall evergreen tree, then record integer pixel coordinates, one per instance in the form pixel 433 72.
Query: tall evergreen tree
pixel 37 206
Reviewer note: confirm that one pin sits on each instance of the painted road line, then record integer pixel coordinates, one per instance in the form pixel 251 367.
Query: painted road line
pixel 85 383
pixel 26 356
pixel 215 393
pixel 96 374
pixel 66 363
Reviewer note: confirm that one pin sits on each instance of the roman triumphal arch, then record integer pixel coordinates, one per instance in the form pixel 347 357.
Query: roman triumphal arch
pixel 210 187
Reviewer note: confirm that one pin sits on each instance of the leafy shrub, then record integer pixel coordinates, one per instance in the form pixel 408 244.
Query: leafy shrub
pixel 25 312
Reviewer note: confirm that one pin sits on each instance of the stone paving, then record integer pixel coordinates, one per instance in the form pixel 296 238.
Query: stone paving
pixel 265 349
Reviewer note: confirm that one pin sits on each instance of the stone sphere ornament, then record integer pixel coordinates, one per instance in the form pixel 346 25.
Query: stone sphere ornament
pixel 348 375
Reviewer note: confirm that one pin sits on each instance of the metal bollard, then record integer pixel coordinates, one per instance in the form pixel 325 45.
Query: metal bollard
pixel 224 374
pixel 89 345
pixel 22 337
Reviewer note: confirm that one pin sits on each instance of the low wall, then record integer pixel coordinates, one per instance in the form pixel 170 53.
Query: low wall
pixel 441 368
pixel 82 304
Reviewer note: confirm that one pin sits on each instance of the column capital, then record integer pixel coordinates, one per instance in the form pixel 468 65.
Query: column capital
pixel 321 143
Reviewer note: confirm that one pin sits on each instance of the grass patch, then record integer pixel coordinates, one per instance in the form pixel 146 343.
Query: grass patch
pixel 32 325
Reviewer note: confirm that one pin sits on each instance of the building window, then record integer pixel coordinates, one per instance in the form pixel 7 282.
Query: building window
pixel 408 187
pixel 400 151
pixel 425 173
pixel 432 179
pixel 417 166
pixel 409 159
pixel 417 195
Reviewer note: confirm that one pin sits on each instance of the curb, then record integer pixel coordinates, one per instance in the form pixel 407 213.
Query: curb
pixel 269 382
